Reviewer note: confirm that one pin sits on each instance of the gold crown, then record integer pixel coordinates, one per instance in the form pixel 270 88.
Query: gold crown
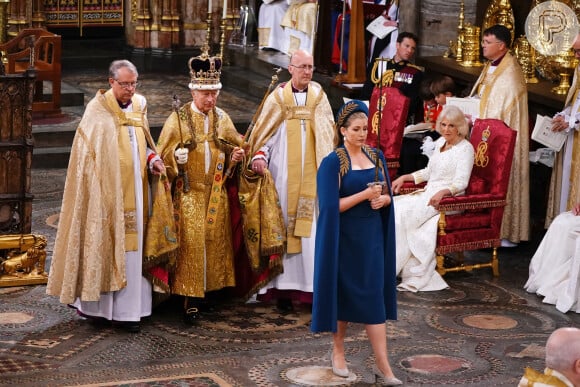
pixel 205 72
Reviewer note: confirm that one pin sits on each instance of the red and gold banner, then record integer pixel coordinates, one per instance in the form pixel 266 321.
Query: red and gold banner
pixel 394 107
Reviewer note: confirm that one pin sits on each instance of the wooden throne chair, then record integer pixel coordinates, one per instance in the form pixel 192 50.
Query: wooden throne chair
pixel 38 49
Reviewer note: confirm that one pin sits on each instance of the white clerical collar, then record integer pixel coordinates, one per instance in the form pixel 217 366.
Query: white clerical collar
pixel 195 109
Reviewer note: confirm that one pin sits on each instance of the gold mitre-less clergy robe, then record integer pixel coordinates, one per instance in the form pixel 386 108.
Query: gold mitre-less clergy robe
pixel 97 225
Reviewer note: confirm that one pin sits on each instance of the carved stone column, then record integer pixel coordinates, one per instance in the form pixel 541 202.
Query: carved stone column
pixel 165 31
pixel 175 23
pixel 142 24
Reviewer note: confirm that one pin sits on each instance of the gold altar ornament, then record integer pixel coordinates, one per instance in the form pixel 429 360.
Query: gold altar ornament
pixel 460 33
pixel 22 260
pixel 565 63
pixel 526 56
pixel 499 12
pixel 471 42
pixel 551 27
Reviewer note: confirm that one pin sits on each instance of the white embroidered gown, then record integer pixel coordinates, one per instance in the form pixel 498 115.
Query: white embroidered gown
pixel 416 220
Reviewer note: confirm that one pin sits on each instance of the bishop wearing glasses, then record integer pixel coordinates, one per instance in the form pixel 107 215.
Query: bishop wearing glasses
pixel 292 134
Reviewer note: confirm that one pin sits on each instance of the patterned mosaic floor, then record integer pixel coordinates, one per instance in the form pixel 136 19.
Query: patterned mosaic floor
pixel 482 331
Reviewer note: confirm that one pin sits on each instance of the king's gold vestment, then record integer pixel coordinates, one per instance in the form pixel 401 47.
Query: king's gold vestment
pixel 205 259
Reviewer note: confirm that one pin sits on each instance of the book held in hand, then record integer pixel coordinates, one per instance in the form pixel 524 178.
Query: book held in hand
pixel 469 106
pixel 377 27
pixel 544 134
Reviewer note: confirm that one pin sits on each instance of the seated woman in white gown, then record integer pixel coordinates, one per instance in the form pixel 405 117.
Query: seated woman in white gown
pixel 416 214
pixel 271 34
pixel 555 267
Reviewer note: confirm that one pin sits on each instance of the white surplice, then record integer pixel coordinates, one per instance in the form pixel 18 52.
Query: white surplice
pixel 555 267
pixel 270 31
pixel 298 268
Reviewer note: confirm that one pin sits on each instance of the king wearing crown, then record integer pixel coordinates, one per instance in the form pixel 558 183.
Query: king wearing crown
pixel 198 143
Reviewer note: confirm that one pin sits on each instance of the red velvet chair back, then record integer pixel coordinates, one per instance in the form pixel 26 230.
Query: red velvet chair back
pixel 395 107
pixel 493 142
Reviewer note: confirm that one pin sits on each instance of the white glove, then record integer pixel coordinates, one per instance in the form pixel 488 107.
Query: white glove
pixel 181 155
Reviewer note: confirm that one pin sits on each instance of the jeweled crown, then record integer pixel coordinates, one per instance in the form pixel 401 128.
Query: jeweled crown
pixel 205 72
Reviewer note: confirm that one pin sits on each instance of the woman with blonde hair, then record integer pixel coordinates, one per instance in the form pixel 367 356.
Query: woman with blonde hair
pixel 416 214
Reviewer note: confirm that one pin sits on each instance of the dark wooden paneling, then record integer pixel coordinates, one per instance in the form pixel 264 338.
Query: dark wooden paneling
pixel 16 143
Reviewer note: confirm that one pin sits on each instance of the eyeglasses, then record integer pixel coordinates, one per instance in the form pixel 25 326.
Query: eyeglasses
pixel 128 85
pixel 304 67
pixel 487 42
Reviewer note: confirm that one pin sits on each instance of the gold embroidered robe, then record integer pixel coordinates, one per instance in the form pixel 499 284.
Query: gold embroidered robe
pixel 205 259
pixel 95 227
pixel 505 97
pixel 274 118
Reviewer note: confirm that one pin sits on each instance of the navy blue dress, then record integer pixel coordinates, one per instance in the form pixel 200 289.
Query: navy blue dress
pixel 360 255
pixel 354 264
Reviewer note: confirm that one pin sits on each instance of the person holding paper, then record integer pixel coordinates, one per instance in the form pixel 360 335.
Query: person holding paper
pixel 562 361
pixel 386 46
pixel 442 87
pixel 503 95
pixel 564 184
pixel 418 139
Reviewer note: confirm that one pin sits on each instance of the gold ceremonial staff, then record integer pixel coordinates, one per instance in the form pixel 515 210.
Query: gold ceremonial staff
pixel 245 144
pixel 271 86
pixel 182 172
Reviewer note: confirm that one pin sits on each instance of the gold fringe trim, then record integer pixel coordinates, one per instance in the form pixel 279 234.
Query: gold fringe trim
pixel 472 205
pixel 275 269
pixel 483 244
pixel 272 250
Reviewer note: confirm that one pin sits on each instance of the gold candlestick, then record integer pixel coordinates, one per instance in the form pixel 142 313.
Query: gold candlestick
pixel 205 48
pixel 460 33
pixel 223 37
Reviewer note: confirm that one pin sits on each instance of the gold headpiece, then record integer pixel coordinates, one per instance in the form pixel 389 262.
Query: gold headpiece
pixel 205 72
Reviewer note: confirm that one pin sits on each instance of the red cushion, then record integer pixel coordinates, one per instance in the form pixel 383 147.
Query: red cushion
pixel 467 220
pixel 476 186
